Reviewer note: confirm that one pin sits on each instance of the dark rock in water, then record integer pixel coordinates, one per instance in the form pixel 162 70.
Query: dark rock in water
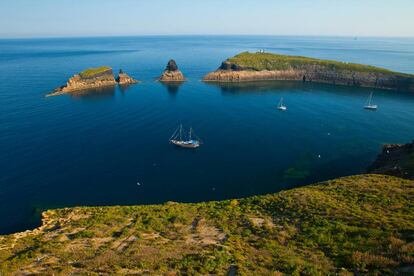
pixel 171 66
pixel 395 160
pixel 125 79
pixel 171 73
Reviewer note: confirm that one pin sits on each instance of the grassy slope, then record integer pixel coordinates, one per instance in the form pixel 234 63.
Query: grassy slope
pixel 269 61
pixel 358 223
pixel 93 71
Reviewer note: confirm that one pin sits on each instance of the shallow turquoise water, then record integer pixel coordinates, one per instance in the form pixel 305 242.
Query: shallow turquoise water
pixel 93 148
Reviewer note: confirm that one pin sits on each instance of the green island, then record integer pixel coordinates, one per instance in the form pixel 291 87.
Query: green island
pixel 262 66
pixel 357 224
pixel 270 61
pixel 90 72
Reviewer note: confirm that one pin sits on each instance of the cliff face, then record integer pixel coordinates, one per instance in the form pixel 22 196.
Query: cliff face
pixel 396 160
pixel 171 73
pixel 260 67
pixel 91 78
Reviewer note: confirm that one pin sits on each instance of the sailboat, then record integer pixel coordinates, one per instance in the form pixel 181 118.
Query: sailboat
pixel 280 106
pixel 178 139
pixel 369 104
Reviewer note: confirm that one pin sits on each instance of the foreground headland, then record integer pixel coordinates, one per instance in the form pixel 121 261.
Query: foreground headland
pixel 267 66
pixel 356 224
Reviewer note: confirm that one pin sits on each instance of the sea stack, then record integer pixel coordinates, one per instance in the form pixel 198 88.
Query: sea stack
pixel 171 73
pixel 262 66
pixel 125 79
pixel 87 79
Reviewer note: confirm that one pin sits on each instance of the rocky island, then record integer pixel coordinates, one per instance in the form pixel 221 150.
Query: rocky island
pixel 267 66
pixel 125 79
pixel 93 78
pixel 171 73
pixel 355 225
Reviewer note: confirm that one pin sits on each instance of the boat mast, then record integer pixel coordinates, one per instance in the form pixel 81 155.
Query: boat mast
pixel 189 134
pixel 181 132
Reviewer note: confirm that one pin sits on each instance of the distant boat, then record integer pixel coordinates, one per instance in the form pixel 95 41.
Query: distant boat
pixel 280 106
pixel 369 104
pixel 178 139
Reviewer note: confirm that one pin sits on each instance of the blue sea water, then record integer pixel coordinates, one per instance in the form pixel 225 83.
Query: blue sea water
pixel 92 148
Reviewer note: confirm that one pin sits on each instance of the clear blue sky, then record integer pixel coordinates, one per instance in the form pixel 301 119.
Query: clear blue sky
pixel 44 18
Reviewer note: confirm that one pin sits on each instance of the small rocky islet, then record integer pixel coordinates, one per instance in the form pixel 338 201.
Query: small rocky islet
pixel 171 73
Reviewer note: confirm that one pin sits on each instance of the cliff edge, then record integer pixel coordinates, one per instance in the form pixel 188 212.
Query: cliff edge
pixel 395 160
pixel 266 66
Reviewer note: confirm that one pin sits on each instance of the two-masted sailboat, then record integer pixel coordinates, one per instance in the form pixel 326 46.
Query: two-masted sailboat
pixel 191 141
pixel 369 104
pixel 281 106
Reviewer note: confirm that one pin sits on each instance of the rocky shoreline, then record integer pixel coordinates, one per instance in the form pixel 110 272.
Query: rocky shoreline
pixel 396 160
pixel 93 78
pixel 265 67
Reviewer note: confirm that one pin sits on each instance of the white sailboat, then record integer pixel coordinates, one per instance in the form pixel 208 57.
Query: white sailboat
pixel 369 104
pixel 178 139
pixel 280 106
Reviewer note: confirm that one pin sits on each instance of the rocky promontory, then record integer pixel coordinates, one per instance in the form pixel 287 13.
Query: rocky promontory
pixel 125 79
pixel 395 160
pixel 266 66
pixel 171 73
pixel 93 78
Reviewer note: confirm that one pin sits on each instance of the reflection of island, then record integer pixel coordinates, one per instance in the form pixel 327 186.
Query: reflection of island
pixel 266 66
pixel 94 93
pixel 172 87
pixel 256 87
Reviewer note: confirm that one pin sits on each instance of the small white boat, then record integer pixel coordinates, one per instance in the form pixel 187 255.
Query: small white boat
pixel 180 141
pixel 280 106
pixel 369 104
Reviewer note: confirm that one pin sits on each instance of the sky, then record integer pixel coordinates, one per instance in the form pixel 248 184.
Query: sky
pixel 68 18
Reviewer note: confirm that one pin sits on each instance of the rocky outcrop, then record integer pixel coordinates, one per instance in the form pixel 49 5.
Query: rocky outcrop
pixel 268 67
pixel 88 79
pixel 395 160
pixel 93 78
pixel 171 73
pixel 125 79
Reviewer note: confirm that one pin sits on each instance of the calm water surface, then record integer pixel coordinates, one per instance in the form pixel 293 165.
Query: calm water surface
pixel 93 148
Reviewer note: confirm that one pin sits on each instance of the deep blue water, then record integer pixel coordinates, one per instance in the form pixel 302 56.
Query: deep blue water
pixel 92 148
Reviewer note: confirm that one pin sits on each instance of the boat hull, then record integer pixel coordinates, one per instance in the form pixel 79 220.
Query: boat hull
pixel 185 144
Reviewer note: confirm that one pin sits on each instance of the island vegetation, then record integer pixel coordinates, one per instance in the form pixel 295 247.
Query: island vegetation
pixel 269 66
pixel 92 72
pixel 355 224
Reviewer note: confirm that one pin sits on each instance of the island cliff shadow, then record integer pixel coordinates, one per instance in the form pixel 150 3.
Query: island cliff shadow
pixel 234 88
pixel 239 88
pixel 95 94
pixel 172 87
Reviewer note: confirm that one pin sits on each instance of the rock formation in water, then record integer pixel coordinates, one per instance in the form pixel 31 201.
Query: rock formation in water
pixel 171 73
pixel 265 66
pixel 396 160
pixel 90 78
pixel 93 78
pixel 125 79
